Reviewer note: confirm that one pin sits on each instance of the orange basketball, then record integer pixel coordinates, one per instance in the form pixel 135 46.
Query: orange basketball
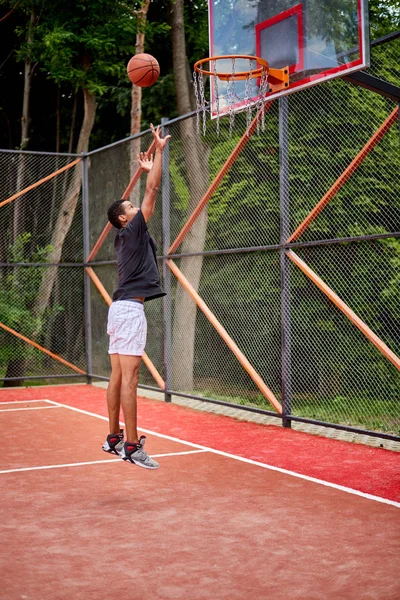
pixel 143 70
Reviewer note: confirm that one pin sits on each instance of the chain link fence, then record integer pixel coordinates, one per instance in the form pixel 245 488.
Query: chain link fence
pixel 41 256
pixel 269 320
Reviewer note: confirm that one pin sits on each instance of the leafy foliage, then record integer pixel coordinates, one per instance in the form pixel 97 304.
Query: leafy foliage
pixel 86 43
pixel 18 292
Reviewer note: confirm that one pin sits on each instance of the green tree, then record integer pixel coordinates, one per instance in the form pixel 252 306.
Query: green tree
pixel 384 17
pixel 18 291
pixel 84 44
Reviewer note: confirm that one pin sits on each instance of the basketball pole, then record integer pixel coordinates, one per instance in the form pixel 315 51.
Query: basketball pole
pixel 284 260
pixel 166 241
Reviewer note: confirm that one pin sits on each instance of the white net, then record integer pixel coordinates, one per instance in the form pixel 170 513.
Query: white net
pixel 234 88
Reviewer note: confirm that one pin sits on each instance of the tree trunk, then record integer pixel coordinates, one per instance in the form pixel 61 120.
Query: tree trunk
pixel 196 155
pixel 28 70
pixel 73 121
pixel 16 365
pixel 67 211
pixel 10 12
pixel 57 161
pixel 136 104
pixel 67 175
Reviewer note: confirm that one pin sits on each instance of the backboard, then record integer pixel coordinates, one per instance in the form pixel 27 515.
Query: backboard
pixel 317 39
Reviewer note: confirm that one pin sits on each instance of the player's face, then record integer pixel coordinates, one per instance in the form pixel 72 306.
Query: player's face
pixel 129 212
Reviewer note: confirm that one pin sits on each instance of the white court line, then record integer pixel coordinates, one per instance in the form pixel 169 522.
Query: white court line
pixel 81 464
pixel 245 460
pixel 94 462
pixel 7 410
pixel 21 402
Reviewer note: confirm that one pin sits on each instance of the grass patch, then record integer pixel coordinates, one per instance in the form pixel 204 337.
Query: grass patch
pixel 366 413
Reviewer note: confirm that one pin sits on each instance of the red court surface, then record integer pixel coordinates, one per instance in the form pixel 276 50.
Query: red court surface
pixel 235 510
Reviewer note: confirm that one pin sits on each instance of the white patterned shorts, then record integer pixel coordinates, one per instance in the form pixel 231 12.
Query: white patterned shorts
pixel 127 328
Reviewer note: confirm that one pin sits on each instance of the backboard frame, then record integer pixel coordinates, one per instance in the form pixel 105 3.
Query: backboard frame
pixel 309 80
pixel 286 14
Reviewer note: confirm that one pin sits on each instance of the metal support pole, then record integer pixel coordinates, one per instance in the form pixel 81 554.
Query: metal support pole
pixel 166 229
pixel 284 260
pixel 86 278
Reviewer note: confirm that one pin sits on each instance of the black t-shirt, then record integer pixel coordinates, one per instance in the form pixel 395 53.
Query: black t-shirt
pixel 138 274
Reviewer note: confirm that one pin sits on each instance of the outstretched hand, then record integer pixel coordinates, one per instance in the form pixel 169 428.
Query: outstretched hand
pixel 145 161
pixel 159 141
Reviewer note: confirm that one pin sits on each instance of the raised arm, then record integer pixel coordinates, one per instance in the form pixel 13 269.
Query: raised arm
pixel 153 169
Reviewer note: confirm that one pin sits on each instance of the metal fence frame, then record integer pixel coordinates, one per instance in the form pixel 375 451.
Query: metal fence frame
pixel 286 247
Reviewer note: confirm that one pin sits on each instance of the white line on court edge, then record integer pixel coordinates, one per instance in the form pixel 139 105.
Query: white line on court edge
pixel 21 402
pixel 81 464
pixel 94 462
pixel 6 410
pixel 245 460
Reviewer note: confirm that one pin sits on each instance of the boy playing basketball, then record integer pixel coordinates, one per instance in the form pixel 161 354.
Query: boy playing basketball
pixel 138 281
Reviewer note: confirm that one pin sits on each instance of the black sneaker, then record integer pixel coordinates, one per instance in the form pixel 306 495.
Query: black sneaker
pixel 114 443
pixel 137 455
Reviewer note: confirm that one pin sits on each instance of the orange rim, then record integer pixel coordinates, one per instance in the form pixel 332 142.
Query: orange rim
pixel 251 73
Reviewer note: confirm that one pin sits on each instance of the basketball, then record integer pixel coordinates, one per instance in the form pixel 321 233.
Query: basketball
pixel 143 70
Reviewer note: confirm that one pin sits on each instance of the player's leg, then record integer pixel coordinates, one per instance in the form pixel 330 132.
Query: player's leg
pixel 130 366
pixel 127 327
pixel 115 440
pixel 114 394
pixel 133 450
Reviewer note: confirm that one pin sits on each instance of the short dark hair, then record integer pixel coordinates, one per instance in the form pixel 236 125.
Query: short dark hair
pixel 114 211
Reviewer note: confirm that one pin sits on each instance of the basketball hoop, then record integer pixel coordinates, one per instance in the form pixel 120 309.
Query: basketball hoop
pixel 252 94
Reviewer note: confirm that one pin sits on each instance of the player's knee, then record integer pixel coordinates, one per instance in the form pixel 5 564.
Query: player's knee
pixel 131 378
pixel 135 374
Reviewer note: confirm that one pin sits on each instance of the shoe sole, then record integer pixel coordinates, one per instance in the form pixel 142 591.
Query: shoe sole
pixel 139 464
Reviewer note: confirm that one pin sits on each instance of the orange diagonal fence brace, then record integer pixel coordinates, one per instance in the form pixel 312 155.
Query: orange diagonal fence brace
pixel 355 163
pixel 37 183
pixel 35 345
pixel 99 242
pixel 231 159
pixel 345 309
pixel 108 301
pixel 266 392
pixel 124 196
